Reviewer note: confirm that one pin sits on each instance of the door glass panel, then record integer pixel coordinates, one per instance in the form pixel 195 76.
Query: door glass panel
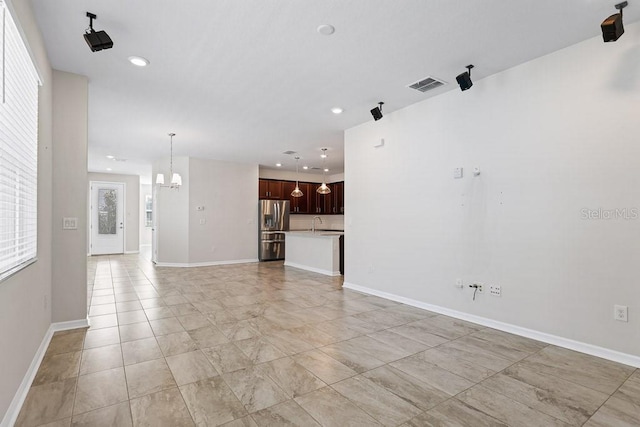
pixel 107 211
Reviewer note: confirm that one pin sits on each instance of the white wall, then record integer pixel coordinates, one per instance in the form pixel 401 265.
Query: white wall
pixel 552 137
pixel 24 314
pixel 229 194
pixel 172 213
pixel 132 206
pixel 289 175
pixel 70 130
pixel 304 176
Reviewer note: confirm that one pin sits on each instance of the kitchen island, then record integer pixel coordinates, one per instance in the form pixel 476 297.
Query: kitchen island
pixel 317 251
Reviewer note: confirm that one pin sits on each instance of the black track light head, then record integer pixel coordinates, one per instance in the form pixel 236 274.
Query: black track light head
pixel 97 40
pixel 612 27
pixel 377 112
pixel 464 79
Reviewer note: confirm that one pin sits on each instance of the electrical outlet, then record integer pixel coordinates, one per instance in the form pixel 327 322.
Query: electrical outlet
pixel 620 313
pixel 69 223
pixel 495 290
pixel 459 284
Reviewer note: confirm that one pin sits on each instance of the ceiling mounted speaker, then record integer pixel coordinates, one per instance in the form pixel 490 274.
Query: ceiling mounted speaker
pixel 612 27
pixel 464 79
pixel 377 112
pixel 97 40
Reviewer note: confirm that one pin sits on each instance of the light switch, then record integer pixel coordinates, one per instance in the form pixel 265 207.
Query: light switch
pixel 203 221
pixel 69 223
pixel 457 173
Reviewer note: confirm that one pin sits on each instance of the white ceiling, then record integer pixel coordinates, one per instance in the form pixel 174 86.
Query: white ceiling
pixel 245 80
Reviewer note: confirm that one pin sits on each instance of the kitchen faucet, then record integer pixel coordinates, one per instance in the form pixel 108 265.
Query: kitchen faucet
pixel 313 223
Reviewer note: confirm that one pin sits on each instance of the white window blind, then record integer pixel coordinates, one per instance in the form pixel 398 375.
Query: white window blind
pixel 18 150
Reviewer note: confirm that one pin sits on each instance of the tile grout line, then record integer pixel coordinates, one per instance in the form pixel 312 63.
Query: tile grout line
pixel 124 370
pixel 611 395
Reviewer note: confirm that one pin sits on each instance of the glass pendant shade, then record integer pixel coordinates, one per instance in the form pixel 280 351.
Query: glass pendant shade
pixel 297 192
pixel 160 179
pixel 323 189
pixel 176 179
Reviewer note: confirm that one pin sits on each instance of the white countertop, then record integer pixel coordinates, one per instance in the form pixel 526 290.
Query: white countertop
pixel 307 233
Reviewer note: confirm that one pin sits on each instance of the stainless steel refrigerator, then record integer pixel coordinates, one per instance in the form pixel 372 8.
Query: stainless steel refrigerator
pixel 274 220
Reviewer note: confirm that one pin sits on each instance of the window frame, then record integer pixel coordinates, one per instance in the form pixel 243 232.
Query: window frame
pixel 19 97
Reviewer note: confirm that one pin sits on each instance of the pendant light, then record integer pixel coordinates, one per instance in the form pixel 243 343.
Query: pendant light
pixel 324 189
pixel 176 179
pixel 297 192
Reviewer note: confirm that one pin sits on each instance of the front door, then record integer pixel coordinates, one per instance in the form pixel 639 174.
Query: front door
pixel 107 218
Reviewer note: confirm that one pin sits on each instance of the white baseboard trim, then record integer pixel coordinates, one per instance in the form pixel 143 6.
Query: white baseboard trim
pixel 131 252
pixel 204 264
pixel 593 350
pixel 21 394
pixel 146 246
pixel 315 270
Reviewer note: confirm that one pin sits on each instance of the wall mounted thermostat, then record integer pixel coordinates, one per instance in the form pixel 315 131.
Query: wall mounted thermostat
pixel 457 173
pixel 200 208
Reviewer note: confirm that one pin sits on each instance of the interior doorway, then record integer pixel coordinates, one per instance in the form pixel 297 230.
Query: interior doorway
pixel 107 218
pixel 154 225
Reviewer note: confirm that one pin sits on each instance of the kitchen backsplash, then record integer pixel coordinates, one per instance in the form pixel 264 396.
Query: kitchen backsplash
pixel 329 222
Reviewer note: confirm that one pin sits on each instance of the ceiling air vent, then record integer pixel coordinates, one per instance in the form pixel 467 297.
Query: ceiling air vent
pixel 289 152
pixel 427 84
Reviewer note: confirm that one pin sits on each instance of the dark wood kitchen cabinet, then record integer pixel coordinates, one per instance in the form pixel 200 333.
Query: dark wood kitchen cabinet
pixel 298 205
pixel 324 202
pixel 271 189
pixel 311 202
pixel 337 189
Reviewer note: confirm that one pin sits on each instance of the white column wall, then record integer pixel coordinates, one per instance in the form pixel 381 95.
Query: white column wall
pixel 172 213
pixel 70 139
pixel 229 194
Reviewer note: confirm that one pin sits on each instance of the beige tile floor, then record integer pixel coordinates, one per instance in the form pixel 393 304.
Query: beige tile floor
pixel 265 345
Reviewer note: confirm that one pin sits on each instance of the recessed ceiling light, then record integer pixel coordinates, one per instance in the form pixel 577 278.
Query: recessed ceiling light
pixel 109 169
pixel 336 110
pixel 305 167
pixel 323 155
pixel 138 61
pixel 326 29
pixel 278 164
pixel 326 169
pixel 110 157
